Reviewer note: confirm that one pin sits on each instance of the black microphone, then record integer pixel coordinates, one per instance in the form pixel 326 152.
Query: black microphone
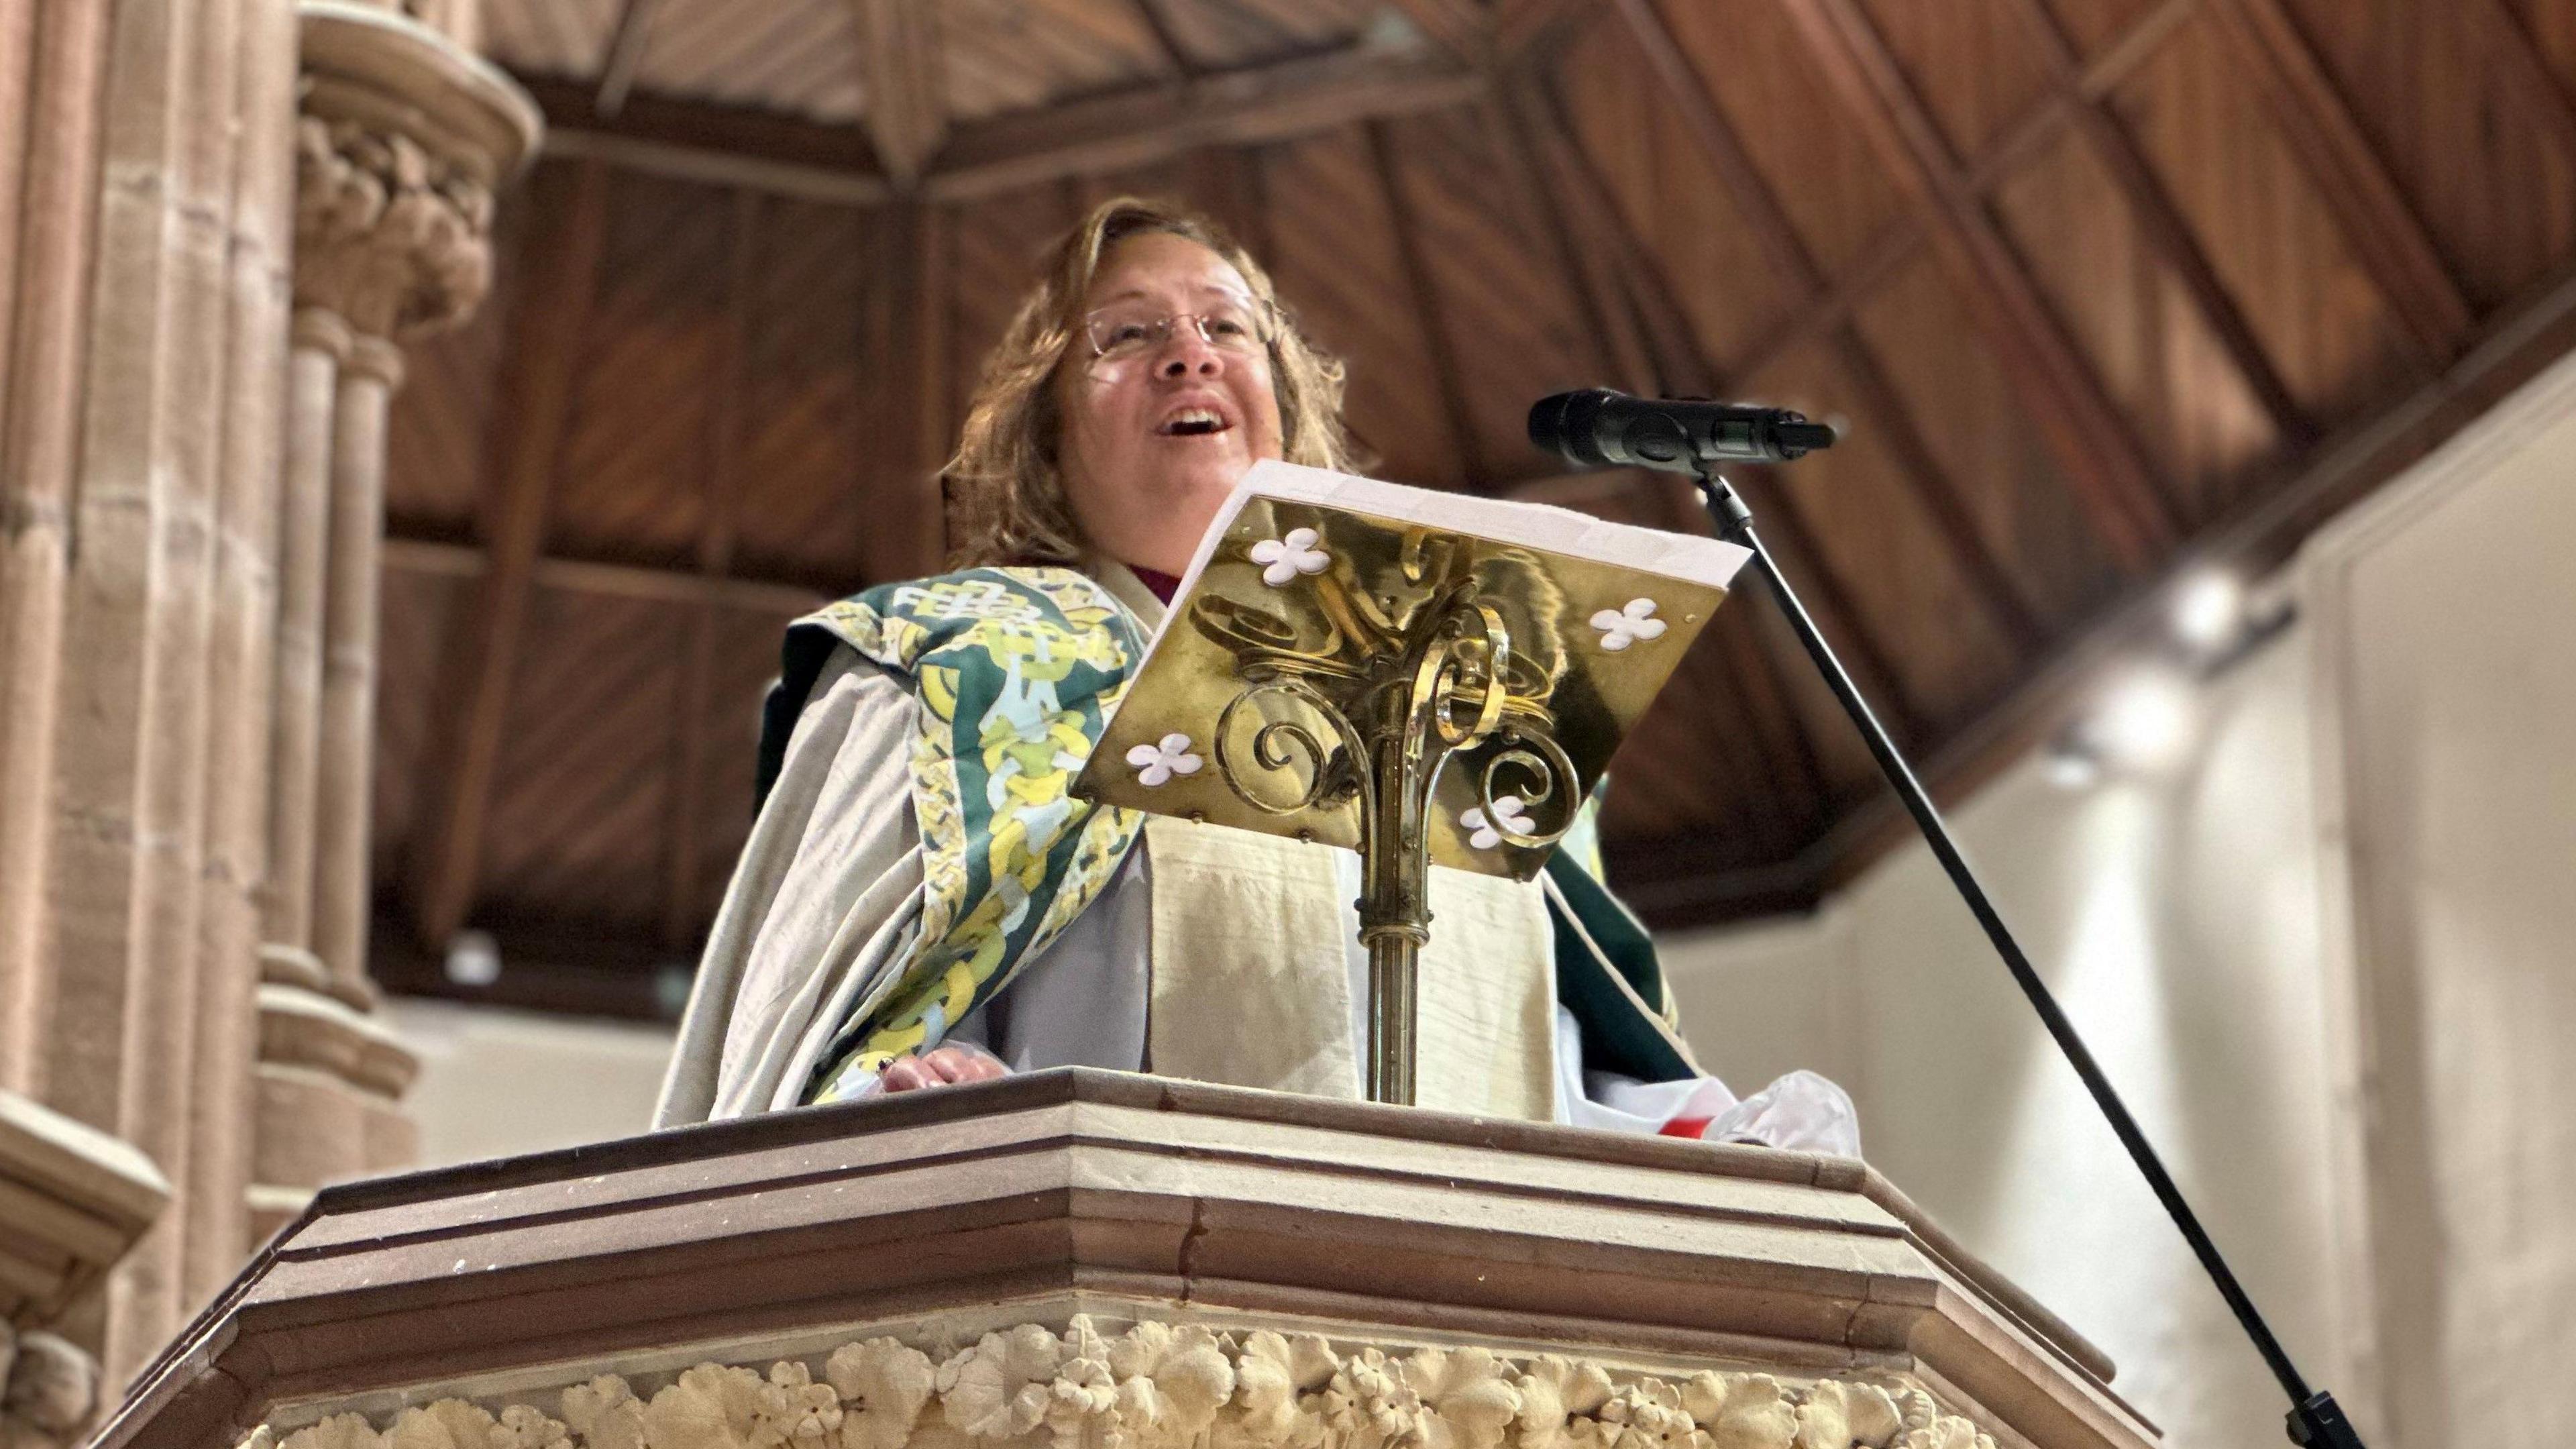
pixel 1598 428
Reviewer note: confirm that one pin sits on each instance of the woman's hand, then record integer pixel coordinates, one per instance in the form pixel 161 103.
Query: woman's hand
pixel 941 1067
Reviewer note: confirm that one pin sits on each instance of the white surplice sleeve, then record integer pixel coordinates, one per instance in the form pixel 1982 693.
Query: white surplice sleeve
pixel 823 905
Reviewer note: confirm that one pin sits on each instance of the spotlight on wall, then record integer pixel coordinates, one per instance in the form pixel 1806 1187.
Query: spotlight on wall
pixel 2144 722
pixel 473 959
pixel 2209 611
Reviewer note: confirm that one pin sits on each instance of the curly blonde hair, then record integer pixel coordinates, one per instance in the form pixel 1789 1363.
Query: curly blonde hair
pixel 1004 479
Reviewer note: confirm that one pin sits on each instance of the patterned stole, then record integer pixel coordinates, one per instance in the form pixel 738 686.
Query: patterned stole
pixel 1016 671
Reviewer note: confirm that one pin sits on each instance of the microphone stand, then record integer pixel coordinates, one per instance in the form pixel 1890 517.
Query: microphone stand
pixel 2315 1420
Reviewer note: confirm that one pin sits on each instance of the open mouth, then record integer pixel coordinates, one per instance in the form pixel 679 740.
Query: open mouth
pixel 1193 423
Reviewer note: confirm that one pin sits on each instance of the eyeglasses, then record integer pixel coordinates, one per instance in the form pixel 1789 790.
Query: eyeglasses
pixel 1238 323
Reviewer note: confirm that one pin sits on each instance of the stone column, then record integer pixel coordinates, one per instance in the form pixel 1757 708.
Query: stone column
pixel 321 342
pixel 48 186
pixel 148 183
pixel 143 186
pixel 130 754
pixel 342 879
pixel 402 139
pixel 240 651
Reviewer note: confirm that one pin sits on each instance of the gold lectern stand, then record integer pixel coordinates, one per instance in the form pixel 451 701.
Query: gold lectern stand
pixel 1341 642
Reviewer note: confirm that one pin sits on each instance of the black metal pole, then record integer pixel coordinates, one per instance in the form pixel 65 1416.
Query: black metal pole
pixel 2315 1420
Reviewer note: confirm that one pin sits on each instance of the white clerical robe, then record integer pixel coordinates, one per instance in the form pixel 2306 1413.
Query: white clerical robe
pixel 827 901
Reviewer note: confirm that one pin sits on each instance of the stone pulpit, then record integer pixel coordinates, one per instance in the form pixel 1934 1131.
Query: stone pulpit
pixel 1093 1260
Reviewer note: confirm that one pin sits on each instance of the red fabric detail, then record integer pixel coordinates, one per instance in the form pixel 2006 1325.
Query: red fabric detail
pixel 1685 1126
pixel 1164 585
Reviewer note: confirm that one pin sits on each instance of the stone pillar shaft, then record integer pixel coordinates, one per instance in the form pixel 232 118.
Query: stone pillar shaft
pixel 166 966
pixel 150 160
pixel 400 139
pixel 341 875
pixel 50 233
pixel 213 1224
pixel 321 341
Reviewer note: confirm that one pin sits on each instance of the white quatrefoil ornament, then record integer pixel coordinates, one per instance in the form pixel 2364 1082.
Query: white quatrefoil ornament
pixel 1286 558
pixel 1629 625
pixel 1157 763
pixel 1509 810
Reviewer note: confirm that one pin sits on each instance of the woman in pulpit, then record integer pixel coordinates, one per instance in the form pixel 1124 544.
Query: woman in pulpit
pixel 922 901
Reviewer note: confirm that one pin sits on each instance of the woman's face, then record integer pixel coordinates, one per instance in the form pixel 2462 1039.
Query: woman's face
pixel 1157 433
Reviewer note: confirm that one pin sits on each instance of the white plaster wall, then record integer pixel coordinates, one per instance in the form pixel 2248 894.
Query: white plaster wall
pixel 497 1083
pixel 2446 616
pixel 2175 918
pixel 2330 961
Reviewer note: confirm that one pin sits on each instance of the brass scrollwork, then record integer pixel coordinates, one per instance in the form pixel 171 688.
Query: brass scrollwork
pixel 1331 769
pixel 1557 784
pixel 1388 667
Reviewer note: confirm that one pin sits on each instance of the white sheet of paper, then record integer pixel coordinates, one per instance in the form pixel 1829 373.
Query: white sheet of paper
pixel 1530 525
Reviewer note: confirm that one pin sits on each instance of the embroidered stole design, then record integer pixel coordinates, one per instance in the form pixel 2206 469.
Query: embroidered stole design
pixel 1016 671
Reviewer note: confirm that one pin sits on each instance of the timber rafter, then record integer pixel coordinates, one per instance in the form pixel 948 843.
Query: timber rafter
pixel 2095 450
pixel 552 313
pixel 1765 799
pixel 906 108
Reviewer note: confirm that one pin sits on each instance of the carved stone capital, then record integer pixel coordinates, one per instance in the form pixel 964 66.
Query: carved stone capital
pixel 1151 1384
pixel 48 1390
pixel 401 140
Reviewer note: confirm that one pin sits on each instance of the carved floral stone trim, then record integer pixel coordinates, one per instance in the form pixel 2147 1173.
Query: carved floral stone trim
pixel 1165 1386
pixel 394 240
pixel 48 1390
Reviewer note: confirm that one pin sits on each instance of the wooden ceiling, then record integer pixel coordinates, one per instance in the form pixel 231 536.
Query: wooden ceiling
pixel 2102 289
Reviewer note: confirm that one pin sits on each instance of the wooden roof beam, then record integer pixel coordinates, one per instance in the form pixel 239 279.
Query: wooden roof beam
pixel 625 55
pixel 2526 69
pixel 712 144
pixel 1281 102
pixel 2162 223
pixel 2008 153
pixel 1428 314
pixel 2259 532
pixel 719 524
pixel 1579 194
pixel 1168 41
pixel 2103 462
pixel 905 341
pixel 439 558
pixel 1460 28
pixel 2389 239
pixel 1719 145
pixel 1523 28
pixel 1777 235
pixel 1599 299
pixel 546 327
pixel 906 105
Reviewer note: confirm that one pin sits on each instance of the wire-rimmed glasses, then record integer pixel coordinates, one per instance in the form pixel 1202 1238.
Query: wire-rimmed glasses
pixel 1234 322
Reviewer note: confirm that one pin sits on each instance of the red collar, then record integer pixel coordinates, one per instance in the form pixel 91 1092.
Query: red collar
pixel 1164 585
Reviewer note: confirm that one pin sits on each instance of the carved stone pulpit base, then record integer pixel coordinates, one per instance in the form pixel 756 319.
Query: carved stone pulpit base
pixel 1092 1260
